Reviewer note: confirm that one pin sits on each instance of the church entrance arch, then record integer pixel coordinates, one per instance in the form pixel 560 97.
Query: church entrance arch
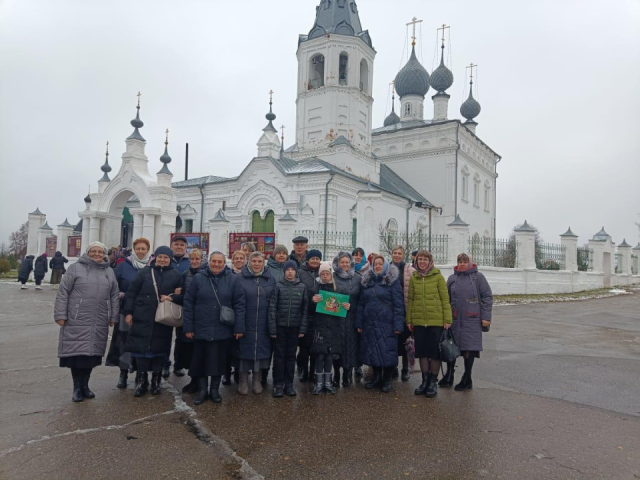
pixel 118 226
pixel 262 225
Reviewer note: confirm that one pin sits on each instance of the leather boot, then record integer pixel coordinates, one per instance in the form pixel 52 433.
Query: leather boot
pixel 278 391
pixel 432 388
pixel 77 386
pixel 86 393
pixel 156 378
pixel 465 384
pixel 376 381
pixel 347 377
pixel 122 381
pixel 319 384
pixel 141 384
pixel 191 387
pixel 243 383
pixel 304 376
pixel 166 371
pixel 289 391
pixel 447 380
pixel 395 373
pixel 386 380
pixel 405 375
pixel 203 385
pixel 257 382
pixel 214 390
pixel 328 383
pixel 264 377
pixel 336 377
pixel 423 386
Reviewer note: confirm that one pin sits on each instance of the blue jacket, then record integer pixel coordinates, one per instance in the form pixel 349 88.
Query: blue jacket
pixel 201 308
pixel 125 273
pixel 183 265
pixel 256 342
pixel 380 313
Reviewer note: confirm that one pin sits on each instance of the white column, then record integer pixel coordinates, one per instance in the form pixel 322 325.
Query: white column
pixel 94 231
pixel 526 246
pixel 36 220
pixel 285 228
pixel 598 255
pixel 138 219
pixel 625 256
pixel 86 227
pixel 42 240
pixel 63 239
pixel 148 228
pixel 458 233
pixel 570 242
pixel 440 106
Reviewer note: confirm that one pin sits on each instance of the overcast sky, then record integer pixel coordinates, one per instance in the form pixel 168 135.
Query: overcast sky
pixel 558 84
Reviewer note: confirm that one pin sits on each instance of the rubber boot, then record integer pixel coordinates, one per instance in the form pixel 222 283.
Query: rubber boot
pixel 86 393
pixel 203 385
pixel 243 384
pixel 156 378
pixel 432 388
pixel 319 384
pixel 328 383
pixel 447 380
pixel 423 386
pixel 387 373
pixel 142 383
pixel 257 382
pixel 465 384
pixel 214 390
pixel 77 386
pixel 376 381
pixel 122 381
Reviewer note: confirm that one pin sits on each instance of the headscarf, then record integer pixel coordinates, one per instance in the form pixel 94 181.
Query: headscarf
pixel 423 273
pixel 385 266
pixel 140 263
pixel 346 274
pixel 264 264
pixel 364 258
pixel 95 244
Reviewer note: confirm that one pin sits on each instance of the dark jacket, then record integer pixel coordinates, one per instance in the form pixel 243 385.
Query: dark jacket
pixel 57 262
pixel 145 335
pixel 276 269
pixel 471 302
pixel 183 265
pixel 40 267
pixel 256 342
pixel 293 257
pixel 309 278
pixel 125 273
pixel 327 329
pixel 201 307
pixel 380 313
pixel 289 306
pixel 25 268
pixel 348 283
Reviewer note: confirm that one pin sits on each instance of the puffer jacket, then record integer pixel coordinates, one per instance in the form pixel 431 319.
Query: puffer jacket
pixel 348 283
pixel 145 335
pixel 310 279
pixel 276 269
pixel 327 329
pixel 289 306
pixel 58 261
pixel 40 267
pixel 88 300
pixel 125 273
pixel 183 264
pixel 201 307
pixel 25 268
pixel 428 304
pixel 255 344
pixel 380 314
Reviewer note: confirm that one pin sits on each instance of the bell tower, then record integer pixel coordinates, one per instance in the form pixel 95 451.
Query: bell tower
pixel 335 76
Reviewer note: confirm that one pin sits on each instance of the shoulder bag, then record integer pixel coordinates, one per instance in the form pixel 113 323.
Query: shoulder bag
pixel 449 349
pixel 227 315
pixel 167 313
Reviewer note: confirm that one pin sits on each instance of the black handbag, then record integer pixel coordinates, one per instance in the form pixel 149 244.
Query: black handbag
pixel 227 315
pixel 449 349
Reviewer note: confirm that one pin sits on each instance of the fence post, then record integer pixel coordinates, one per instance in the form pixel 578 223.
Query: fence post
pixel 569 241
pixel 526 246
pixel 219 232
pixel 458 233
pixel 286 228
pixel 624 249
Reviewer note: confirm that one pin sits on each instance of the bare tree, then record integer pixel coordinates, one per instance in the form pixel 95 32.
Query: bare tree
pixel 18 239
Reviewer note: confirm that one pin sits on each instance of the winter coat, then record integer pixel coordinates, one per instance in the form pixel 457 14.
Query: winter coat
pixel 276 269
pixel 289 306
pixel 471 302
pixel 125 273
pixel 183 265
pixel 87 300
pixel 201 307
pixel 310 279
pixel 348 283
pixel 293 257
pixel 380 314
pixel 40 267
pixel 145 335
pixel 428 304
pixel 25 268
pixel 406 271
pixel 327 329
pixel 255 344
pixel 57 262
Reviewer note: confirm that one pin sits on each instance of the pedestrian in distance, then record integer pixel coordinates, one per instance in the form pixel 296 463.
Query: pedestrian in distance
pixel 56 264
pixel 252 330
pixel 428 314
pixel 86 306
pixel 406 270
pixel 148 341
pixel 26 267
pixel 380 319
pixel 288 321
pixel 40 270
pixel 308 274
pixel 211 288
pixel 125 273
pixel 472 304
pixel 187 346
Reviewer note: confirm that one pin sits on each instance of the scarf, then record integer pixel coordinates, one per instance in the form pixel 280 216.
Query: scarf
pixel 139 264
pixel 362 263
pixel 385 269
pixel 423 273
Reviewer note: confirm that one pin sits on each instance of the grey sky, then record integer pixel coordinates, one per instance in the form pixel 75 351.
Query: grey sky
pixel 558 85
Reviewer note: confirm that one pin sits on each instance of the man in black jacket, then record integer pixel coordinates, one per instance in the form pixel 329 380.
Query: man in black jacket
pixel 288 321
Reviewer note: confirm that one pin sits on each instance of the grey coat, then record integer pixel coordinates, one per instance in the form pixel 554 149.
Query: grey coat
pixel 471 302
pixel 348 283
pixel 88 299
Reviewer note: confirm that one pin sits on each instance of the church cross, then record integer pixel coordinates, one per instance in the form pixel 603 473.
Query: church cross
pixel 271 92
pixel 282 130
pixel 139 95
pixel 443 28
pixel 414 21
pixel 166 140
pixel 393 86
pixel 472 66
pixel 107 149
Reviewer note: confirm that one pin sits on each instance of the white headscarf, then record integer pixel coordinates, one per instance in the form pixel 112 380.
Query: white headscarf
pixel 140 263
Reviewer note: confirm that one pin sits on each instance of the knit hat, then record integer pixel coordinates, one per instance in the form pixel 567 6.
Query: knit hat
pixel 314 253
pixel 97 244
pixel 280 248
pixel 163 250
pixel 290 264
pixel 324 267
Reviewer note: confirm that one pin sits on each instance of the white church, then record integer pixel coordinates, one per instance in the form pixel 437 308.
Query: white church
pixel 412 174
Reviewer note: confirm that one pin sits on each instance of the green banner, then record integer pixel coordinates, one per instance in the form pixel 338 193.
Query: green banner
pixel 331 303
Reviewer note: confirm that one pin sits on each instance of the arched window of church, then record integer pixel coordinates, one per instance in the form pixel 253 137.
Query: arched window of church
pixel 257 224
pixel 407 110
pixel 465 187
pixel 316 72
pixel 269 222
pixel 364 76
pixel 344 69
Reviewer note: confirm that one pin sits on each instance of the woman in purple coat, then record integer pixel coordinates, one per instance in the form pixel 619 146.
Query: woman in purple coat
pixel 472 302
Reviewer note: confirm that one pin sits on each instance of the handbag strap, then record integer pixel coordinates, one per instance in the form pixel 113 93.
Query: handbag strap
pixel 215 293
pixel 155 286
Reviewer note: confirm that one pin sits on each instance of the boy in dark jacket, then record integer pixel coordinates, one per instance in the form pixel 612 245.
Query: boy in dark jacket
pixel 288 321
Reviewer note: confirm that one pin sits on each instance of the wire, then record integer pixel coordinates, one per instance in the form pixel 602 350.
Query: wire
pixel 435 53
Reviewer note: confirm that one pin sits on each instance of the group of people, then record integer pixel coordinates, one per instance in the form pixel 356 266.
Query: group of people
pixel 255 315
pixel 39 268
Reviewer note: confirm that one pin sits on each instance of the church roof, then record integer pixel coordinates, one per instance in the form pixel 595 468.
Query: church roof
pixel 339 17
pixel 194 182
pixel 413 79
pixel 391 181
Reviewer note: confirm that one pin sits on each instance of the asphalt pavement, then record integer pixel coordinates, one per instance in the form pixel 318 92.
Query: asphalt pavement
pixel 556 395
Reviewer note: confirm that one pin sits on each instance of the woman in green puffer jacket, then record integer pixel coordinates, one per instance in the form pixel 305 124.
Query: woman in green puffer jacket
pixel 428 314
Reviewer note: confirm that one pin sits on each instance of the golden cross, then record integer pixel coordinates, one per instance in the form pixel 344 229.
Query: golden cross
pixel 443 28
pixel 414 21
pixel 271 92
pixel 472 66
pixel 166 141
pixel 139 95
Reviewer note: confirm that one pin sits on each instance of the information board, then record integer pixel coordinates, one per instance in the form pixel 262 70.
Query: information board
pixel 264 242
pixel 52 245
pixel 74 246
pixel 195 240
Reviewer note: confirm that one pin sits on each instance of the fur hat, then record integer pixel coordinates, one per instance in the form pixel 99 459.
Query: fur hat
pixel 314 253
